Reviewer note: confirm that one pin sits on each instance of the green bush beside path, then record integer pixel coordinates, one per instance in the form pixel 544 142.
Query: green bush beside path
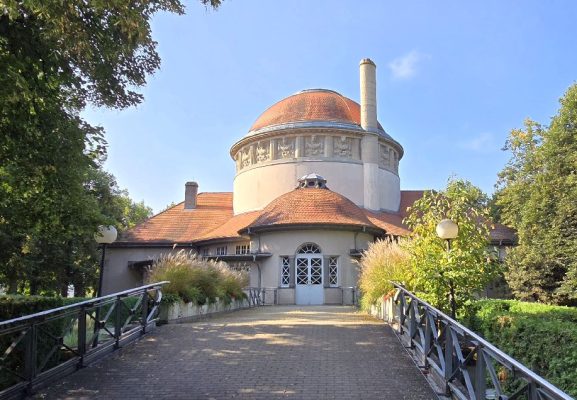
pixel 542 337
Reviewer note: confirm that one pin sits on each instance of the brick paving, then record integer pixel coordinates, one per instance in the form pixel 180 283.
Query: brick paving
pixel 317 352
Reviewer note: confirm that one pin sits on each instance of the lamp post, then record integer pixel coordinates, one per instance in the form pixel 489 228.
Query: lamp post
pixel 448 230
pixel 104 236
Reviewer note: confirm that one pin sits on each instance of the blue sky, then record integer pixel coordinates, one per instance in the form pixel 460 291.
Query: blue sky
pixel 453 78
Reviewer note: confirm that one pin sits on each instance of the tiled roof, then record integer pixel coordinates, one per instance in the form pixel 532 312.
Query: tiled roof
pixel 311 206
pixel 177 225
pixel 502 233
pixel 392 222
pixel 213 218
pixel 408 197
pixel 230 229
pixel 311 105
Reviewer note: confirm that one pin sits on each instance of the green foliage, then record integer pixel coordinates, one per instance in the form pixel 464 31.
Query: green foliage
pixel 467 267
pixel 382 262
pixel 56 57
pixel 542 337
pixel 15 306
pixel 536 195
pixel 195 280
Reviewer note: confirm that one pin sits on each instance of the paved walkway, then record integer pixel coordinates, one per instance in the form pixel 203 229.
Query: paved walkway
pixel 267 353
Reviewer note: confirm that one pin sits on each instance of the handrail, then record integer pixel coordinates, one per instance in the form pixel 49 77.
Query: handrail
pixel 438 341
pixel 41 347
pixel 79 304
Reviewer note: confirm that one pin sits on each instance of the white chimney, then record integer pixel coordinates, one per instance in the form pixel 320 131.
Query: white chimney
pixel 370 140
pixel 368 71
pixel 190 193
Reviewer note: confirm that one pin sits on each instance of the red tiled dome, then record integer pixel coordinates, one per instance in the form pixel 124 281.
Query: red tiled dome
pixel 308 106
pixel 312 206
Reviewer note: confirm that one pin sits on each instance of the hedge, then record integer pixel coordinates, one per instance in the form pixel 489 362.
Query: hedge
pixel 542 337
pixel 15 306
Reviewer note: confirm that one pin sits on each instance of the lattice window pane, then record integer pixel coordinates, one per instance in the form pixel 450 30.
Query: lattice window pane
pixel 333 271
pixel 316 271
pixel 285 271
pixel 309 248
pixel 302 271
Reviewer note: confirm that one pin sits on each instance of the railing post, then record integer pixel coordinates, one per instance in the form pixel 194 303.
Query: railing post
pixel 144 313
pixel 448 356
pixel 117 322
pixel 428 335
pixel 30 355
pixel 412 323
pixel 81 335
pixel 532 393
pixel 96 329
pixel 401 312
pixel 480 380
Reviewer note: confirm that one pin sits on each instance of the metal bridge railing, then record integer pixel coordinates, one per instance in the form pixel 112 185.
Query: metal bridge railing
pixel 37 348
pixel 466 365
pixel 261 296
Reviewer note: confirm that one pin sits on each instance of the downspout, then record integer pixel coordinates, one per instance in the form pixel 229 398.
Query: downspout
pixel 259 271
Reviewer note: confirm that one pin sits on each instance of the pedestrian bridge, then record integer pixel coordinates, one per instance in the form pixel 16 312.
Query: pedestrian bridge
pixel 314 352
pixel 267 352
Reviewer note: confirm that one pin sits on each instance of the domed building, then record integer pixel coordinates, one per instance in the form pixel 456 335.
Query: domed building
pixel 316 181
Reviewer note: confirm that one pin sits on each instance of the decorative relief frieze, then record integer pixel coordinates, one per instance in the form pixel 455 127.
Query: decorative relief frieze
pixel 262 151
pixel 384 156
pixel 286 148
pixel 246 157
pixel 314 146
pixel 342 147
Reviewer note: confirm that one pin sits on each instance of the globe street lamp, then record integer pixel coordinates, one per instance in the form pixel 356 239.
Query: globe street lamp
pixel 448 230
pixel 104 236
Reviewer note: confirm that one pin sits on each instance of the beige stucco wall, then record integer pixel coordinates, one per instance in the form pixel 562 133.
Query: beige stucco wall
pixel 118 276
pixel 332 243
pixel 255 188
pixel 389 190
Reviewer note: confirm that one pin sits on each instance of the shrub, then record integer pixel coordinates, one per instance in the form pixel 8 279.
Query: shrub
pixel 195 280
pixel 383 261
pixel 542 337
pixel 15 306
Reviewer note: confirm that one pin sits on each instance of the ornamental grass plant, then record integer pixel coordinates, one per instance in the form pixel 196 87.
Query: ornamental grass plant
pixel 382 262
pixel 193 279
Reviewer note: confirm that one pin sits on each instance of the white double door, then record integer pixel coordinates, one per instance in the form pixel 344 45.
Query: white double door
pixel 309 279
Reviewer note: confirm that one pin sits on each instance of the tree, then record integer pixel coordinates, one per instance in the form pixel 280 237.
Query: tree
pixel 55 57
pixel 536 194
pixel 467 267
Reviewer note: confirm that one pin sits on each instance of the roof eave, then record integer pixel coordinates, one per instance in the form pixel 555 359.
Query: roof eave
pixel 312 226
pixel 163 244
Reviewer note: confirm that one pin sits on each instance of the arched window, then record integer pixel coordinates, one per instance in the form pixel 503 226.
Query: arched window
pixel 309 248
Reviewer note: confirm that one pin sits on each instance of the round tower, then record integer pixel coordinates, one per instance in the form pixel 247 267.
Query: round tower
pixel 319 130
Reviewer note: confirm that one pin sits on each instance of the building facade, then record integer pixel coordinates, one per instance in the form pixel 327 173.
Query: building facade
pixel 317 180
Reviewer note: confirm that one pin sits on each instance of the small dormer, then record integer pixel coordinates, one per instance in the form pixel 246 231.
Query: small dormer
pixel 312 181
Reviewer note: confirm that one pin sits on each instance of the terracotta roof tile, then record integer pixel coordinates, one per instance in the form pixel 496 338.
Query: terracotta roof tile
pixel 311 105
pixel 502 233
pixel 312 206
pixel 230 229
pixel 177 225
pixel 213 218
pixel 391 223
pixel 408 197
